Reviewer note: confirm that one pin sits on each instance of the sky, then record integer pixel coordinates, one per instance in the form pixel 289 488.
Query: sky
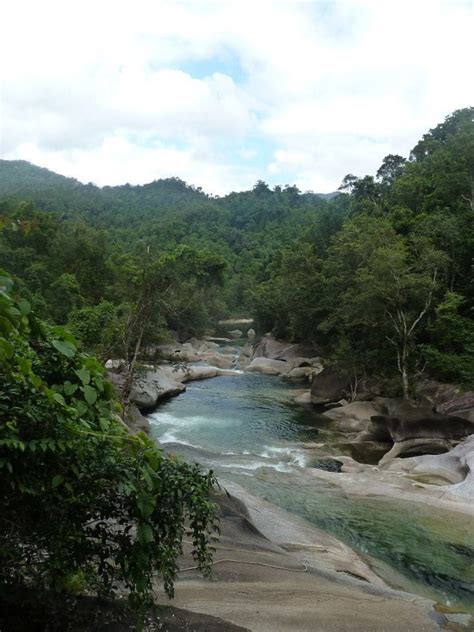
pixel 224 93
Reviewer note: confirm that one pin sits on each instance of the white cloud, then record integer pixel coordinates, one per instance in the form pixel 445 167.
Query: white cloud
pixel 100 90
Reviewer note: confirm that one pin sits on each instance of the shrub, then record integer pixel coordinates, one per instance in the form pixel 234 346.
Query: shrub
pixel 81 496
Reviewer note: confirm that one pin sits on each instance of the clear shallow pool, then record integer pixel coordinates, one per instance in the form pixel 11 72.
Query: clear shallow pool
pixel 246 429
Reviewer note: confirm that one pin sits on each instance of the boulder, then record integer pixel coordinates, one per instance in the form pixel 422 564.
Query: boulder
pixel 329 386
pixel 235 333
pixel 230 350
pixel 447 399
pixel 353 417
pixel 211 345
pixel 454 468
pixel 136 422
pixel 218 360
pixel 416 429
pixel 247 350
pixel 267 366
pixel 304 399
pixel 251 333
pixel 268 347
pixel 148 387
pixel 299 373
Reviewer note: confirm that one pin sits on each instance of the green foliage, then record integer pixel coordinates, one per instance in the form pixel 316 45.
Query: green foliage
pixel 370 293
pixel 84 503
pixel 339 272
pixel 450 355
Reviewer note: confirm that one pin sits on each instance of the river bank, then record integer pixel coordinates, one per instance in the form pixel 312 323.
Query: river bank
pixel 276 573
pixel 245 426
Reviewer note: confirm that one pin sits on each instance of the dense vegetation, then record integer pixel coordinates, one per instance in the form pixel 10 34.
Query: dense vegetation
pixel 390 292
pixel 379 277
pixel 85 504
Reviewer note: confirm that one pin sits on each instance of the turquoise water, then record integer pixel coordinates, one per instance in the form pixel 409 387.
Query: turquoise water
pixel 247 430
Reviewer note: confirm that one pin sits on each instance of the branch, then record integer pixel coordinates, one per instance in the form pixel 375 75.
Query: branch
pixel 426 307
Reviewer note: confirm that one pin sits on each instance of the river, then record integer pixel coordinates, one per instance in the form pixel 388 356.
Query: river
pixel 247 430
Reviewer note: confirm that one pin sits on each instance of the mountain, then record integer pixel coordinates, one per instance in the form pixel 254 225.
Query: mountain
pixel 21 180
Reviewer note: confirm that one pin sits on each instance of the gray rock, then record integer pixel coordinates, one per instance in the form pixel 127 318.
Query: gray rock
pixel 416 429
pixel 329 386
pixel 354 417
pixel 136 422
pixel 251 333
pixel 299 373
pixel 268 347
pixel 219 360
pixel 304 399
pixel 235 333
pixel 455 468
pixel 267 366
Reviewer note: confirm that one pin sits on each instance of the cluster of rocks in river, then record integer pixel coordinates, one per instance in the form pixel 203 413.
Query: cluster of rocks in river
pixel 428 434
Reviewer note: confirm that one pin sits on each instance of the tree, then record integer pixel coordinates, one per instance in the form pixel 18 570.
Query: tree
pixel 391 168
pixel 381 292
pixel 348 183
pixel 81 497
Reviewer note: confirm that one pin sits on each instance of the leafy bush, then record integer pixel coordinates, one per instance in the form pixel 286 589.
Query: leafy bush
pixel 81 497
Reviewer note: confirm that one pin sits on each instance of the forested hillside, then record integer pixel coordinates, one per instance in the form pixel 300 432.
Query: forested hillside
pixel 380 278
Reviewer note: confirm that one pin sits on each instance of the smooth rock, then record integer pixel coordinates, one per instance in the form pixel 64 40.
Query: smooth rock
pixel 218 360
pixel 353 417
pixel 267 366
pixel 235 333
pixel 329 386
pixel 416 429
pixel 304 399
pixel 299 373
pixel 136 421
pixel 455 467
pixel 268 347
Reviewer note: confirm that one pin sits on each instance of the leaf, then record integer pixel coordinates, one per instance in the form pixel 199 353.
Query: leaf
pixel 59 398
pixel 57 480
pixel 145 533
pixel 90 394
pixel 84 375
pixel 25 365
pixel 70 388
pixel 66 348
pixel 6 349
pixel 81 407
pixel 24 307
pixel 104 424
pixel 35 380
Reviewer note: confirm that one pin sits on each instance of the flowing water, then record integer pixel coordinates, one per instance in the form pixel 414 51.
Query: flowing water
pixel 246 429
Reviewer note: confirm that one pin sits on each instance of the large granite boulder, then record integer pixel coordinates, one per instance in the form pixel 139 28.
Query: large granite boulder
pixel 135 421
pixel 416 430
pixel 268 347
pixel 148 387
pixel 299 373
pixel 235 333
pixel 454 468
pixel 219 360
pixel 447 399
pixel 354 417
pixel 267 366
pixel 303 399
pixel 156 383
pixel 329 386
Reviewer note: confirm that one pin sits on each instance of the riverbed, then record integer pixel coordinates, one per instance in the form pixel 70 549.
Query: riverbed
pixel 246 428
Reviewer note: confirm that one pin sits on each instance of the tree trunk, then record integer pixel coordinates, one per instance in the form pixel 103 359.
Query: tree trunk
pixel 405 384
pixel 127 387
